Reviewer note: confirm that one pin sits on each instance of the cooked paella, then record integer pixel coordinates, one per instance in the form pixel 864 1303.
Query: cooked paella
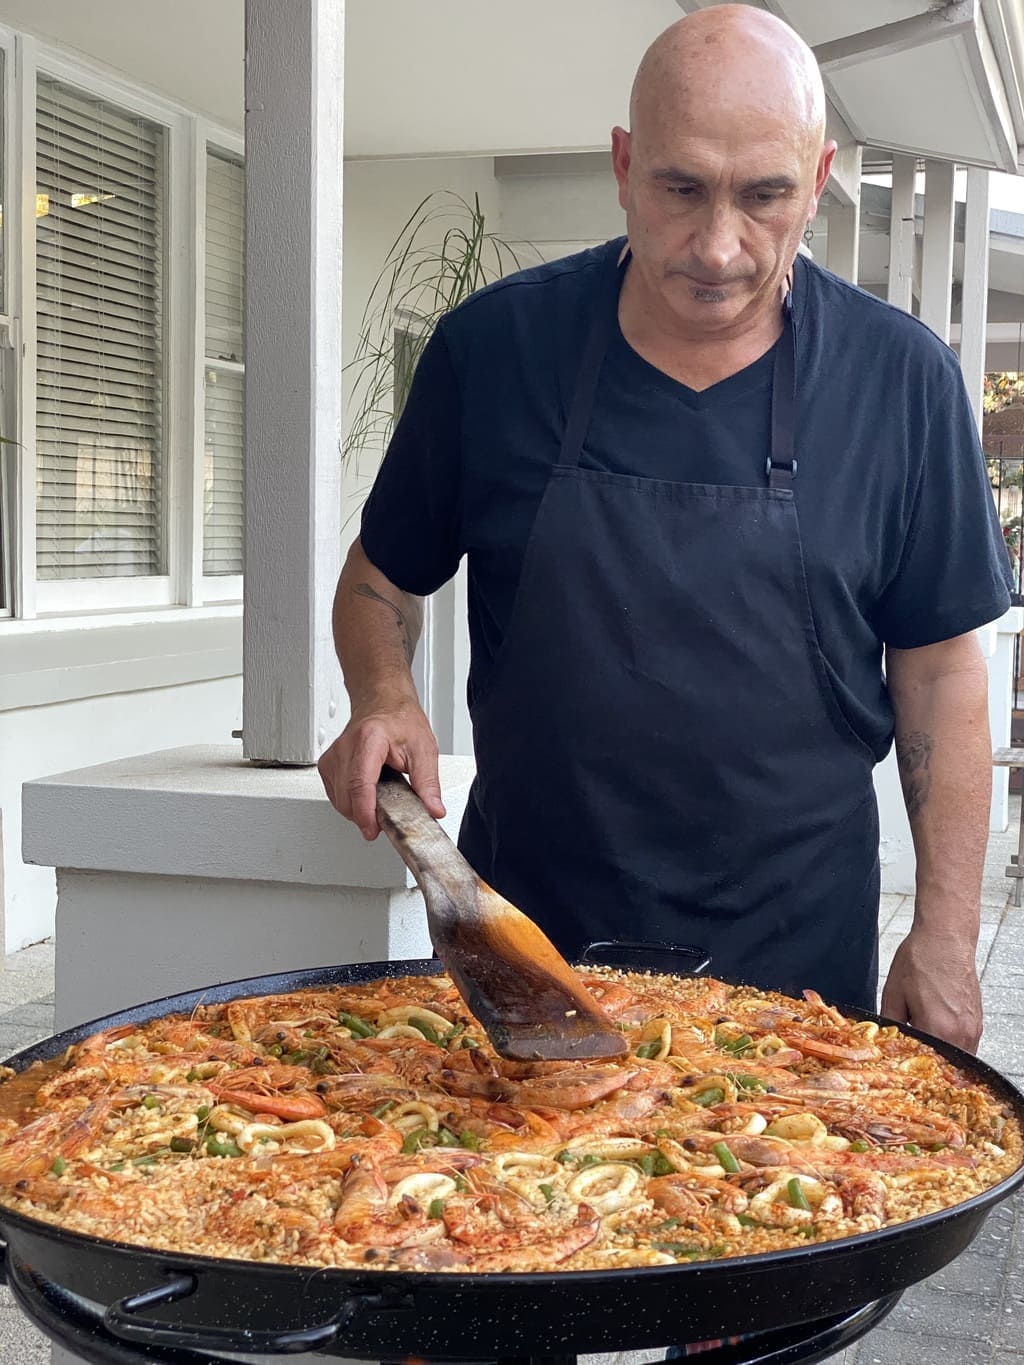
pixel 373 1126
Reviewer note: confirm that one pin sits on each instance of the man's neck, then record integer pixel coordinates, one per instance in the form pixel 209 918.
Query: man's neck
pixel 696 361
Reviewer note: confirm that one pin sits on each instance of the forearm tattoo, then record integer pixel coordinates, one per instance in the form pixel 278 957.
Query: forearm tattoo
pixel 914 756
pixel 408 644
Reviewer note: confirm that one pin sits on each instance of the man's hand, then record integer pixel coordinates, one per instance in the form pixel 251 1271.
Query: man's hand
pixel 933 985
pixel 396 732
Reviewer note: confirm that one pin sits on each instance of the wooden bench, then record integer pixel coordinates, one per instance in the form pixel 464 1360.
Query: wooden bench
pixel 1014 758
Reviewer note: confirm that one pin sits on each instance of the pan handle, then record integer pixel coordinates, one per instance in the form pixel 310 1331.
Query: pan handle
pixel 122 1320
pixel 3 1261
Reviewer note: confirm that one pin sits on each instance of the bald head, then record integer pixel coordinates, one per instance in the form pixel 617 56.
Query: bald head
pixel 730 56
pixel 720 172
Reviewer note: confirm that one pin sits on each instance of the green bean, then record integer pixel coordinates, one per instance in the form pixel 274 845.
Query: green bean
pixel 151 1102
pixel 662 1165
pixel 547 1192
pixel 648 1050
pixel 706 1098
pixel 436 1209
pixel 912 1148
pixel 59 1166
pixel 217 1146
pixel 446 1138
pixel 428 1030
pixel 860 1146
pixel 182 1144
pixel 797 1198
pixel 356 1025
pixel 382 1109
pixel 203 1113
pixel 745 1221
pixel 419 1137
pixel 469 1140
pixel 726 1159
pixel 646 1163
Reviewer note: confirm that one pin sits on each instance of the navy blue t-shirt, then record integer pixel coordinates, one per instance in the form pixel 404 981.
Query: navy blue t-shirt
pixel 901 542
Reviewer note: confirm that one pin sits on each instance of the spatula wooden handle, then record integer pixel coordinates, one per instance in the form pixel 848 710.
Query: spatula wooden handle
pixel 420 841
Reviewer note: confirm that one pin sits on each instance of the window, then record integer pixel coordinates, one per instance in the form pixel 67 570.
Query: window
pixel 100 449
pixel 121 452
pixel 223 511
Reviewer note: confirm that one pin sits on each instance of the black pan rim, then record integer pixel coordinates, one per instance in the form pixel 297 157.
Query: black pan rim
pixel 453 1281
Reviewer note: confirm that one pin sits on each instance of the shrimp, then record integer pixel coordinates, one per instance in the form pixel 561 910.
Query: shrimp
pixel 366 1216
pixel 269 1090
pixel 40 1143
pixel 826 1046
pixel 689 1194
pixel 548 1251
pixel 565 1089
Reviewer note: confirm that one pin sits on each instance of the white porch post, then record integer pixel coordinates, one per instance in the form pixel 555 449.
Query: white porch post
pixel 937 247
pixel 293 134
pixel 843 253
pixel 902 233
pixel 974 306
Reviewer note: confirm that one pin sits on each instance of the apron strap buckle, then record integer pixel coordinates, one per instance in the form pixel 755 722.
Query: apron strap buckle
pixel 780 473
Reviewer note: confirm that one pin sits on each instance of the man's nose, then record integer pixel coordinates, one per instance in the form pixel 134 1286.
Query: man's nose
pixel 717 243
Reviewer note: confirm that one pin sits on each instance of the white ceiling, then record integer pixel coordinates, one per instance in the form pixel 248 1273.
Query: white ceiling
pixel 189 50
pixel 465 76
pixel 957 98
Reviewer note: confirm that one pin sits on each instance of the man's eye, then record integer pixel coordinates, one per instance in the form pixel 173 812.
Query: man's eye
pixel 682 191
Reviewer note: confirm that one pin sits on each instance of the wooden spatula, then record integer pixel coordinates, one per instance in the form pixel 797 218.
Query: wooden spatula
pixel 529 1000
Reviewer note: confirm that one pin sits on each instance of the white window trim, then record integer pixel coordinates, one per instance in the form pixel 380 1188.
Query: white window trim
pixel 187 138
pixel 209 138
pixel 8 339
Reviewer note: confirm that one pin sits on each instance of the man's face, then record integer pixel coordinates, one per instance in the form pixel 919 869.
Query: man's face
pixel 715 209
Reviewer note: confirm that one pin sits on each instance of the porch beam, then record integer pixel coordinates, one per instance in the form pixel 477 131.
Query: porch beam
pixel 843 250
pixel 937 246
pixel 844 178
pixel 974 304
pixel 902 233
pixel 886 40
pixel 293 136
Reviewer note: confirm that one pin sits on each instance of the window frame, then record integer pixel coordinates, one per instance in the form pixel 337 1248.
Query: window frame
pixel 213 587
pixel 187 137
pixel 9 464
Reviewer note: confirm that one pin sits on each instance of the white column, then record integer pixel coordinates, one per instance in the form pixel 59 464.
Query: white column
pixel 293 136
pixel 843 251
pixel 974 308
pixel 900 290
pixel 937 247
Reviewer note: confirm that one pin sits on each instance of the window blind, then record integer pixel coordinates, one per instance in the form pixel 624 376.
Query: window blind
pixel 101 196
pixel 223 512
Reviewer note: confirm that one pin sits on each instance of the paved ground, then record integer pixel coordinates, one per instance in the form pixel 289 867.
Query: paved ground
pixel 970 1314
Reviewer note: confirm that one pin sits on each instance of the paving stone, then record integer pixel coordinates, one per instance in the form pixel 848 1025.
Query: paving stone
pixel 885 1346
pixel 1002 1043
pixel 945 1309
pixel 31 1012
pixel 20 1342
pixel 1004 999
pixel 14 1037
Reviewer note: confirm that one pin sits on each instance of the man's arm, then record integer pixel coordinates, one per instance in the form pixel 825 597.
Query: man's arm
pixel 376 627
pixel 943 749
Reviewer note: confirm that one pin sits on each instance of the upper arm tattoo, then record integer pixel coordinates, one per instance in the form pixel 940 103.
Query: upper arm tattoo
pixel 408 644
pixel 914 756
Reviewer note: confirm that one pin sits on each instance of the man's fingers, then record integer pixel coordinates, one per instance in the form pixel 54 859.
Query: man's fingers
pixel 424 780
pixel 361 788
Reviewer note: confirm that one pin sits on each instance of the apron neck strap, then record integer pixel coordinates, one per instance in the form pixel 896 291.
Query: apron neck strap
pixel 781 465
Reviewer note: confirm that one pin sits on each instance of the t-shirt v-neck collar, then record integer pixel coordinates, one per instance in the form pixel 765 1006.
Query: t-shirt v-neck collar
pixel 753 377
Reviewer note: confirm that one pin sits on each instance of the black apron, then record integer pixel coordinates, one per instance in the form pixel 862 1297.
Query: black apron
pixel 660 752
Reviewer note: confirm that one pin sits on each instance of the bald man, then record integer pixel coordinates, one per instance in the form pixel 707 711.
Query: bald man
pixel 728 531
